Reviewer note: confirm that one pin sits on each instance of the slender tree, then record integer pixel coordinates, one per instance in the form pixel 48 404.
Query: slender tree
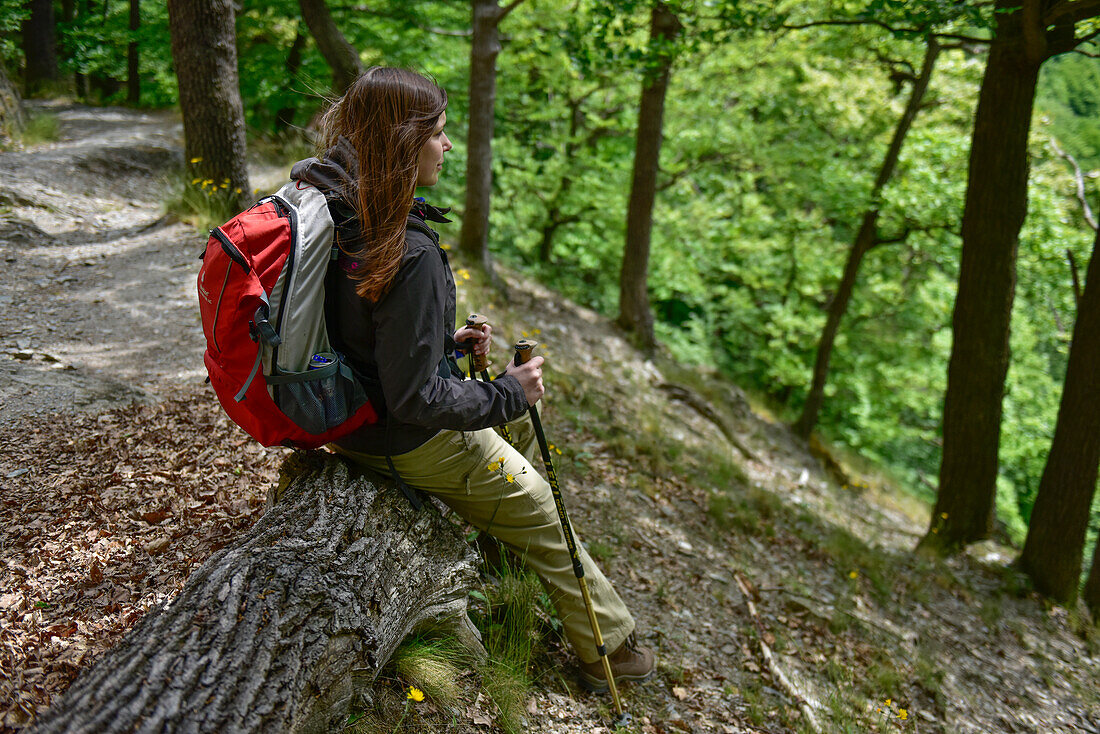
pixel 473 239
pixel 340 55
pixel 133 75
pixel 39 47
pixel 284 118
pixel 1052 554
pixel 867 237
pixel 635 314
pixel 1026 34
pixel 204 50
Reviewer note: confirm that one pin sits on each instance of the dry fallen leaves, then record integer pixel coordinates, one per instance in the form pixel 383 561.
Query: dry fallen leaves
pixel 110 517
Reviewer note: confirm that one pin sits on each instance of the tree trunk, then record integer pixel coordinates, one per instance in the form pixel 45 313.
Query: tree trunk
pixel 286 630
pixel 11 109
pixel 133 75
pixel 1052 554
pixel 866 238
pixel 473 239
pixel 340 55
pixel 204 49
pixel 555 218
pixel 996 203
pixel 635 314
pixel 39 47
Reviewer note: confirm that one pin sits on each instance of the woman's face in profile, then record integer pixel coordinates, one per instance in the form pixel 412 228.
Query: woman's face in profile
pixel 431 155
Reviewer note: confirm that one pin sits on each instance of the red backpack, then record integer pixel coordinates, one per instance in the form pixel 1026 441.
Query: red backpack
pixel 261 297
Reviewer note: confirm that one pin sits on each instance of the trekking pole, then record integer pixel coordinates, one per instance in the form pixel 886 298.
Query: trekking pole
pixel 524 349
pixel 479 363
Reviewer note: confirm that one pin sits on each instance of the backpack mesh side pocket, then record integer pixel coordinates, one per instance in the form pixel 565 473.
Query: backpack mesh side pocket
pixel 320 399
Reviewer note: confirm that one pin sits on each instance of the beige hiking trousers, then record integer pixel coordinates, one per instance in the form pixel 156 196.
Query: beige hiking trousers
pixel 496 489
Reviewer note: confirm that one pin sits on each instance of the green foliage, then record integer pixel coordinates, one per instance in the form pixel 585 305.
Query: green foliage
pixel 12 16
pixel 1069 97
pixel 771 145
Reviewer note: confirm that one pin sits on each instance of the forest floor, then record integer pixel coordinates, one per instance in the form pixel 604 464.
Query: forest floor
pixel 119 475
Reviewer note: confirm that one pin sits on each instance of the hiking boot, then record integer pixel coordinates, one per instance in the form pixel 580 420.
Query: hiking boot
pixel 631 662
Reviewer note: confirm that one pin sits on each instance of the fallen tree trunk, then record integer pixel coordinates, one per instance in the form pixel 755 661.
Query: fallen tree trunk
pixel 286 630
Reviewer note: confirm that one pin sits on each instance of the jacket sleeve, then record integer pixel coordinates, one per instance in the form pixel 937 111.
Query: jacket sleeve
pixel 409 332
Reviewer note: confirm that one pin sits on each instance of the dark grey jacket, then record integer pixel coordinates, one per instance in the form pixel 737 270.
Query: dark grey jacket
pixel 404 337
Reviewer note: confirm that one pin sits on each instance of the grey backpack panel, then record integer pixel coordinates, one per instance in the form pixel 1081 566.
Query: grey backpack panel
pixel 301 314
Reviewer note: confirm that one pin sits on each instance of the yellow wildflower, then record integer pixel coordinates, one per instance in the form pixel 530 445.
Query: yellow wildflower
pixel 494 465
pixel 196 160
pixel 943 515
pixel 855 575
pixel 889 701
pixel 509 478
pixel 416 694
pixel 903 714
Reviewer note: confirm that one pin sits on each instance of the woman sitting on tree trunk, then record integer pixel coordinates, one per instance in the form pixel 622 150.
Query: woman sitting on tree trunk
pixel 393 314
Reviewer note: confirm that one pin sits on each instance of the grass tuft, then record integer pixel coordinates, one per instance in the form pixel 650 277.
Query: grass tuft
pixel 509 629
pixel 433 665
pixel 197 205
pixel 41 127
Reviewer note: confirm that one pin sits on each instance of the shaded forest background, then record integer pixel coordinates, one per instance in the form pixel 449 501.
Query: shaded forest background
pixel 775 128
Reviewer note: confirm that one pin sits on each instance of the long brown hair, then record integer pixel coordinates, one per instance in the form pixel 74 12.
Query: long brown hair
pixel 387 115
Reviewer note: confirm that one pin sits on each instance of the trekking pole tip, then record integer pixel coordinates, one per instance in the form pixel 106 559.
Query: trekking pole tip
pixel 622 721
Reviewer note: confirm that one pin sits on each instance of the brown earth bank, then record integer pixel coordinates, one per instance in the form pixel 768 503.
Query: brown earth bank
pixel 774 590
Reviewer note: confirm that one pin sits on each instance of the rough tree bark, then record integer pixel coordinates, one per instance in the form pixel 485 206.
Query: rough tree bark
pixel 1052 554
pixel 635 315
pixel 340 55
pixel 996 204
pixel 286 630
pixel 867 237
pixel 133 75
pixel 204 49
pixel 473 238
pixel 39 47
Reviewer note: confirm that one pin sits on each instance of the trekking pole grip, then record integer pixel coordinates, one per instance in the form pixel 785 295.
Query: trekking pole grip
pixel 525 349
pixel 480 362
